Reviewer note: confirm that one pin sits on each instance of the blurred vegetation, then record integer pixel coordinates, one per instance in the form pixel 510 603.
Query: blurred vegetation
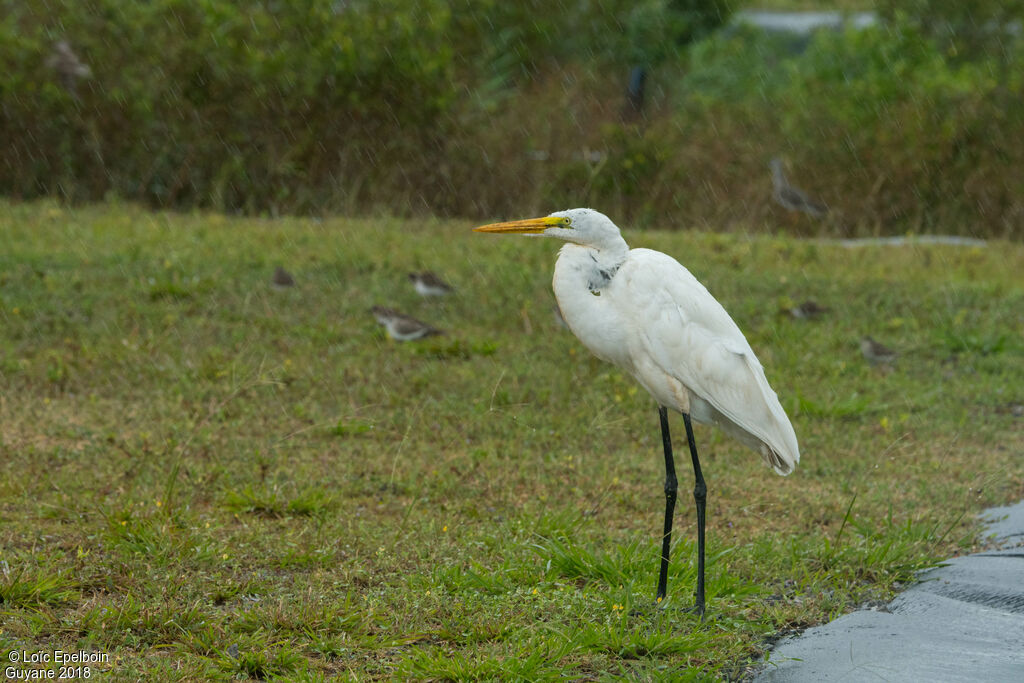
pixel 484 109
pixel 962 28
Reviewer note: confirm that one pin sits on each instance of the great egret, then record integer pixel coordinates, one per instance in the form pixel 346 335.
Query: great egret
pixel 429 284
pixel 401 327
pixel 644 312
pixel 790 197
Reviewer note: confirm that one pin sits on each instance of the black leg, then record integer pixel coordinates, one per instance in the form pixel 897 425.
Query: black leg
pixel 670 500
pixel 700 496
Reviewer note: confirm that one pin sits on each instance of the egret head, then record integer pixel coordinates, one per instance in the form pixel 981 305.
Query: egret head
pixel 585 227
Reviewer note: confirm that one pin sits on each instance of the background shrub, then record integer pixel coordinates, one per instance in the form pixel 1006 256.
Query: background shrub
pixel 486 108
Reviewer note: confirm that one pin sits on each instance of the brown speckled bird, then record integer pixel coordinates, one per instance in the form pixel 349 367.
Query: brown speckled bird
pixel 876 353
pixel 791 197
pixel 429 284
pixel 401 327
pixel 282 279
pixel 808 310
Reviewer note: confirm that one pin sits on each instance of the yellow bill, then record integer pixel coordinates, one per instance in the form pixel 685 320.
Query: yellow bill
pixel 530 226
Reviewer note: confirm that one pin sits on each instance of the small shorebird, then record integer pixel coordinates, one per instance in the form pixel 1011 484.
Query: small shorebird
pixel 791 197
pixel 808 310
pixel 402 327
pixel 68 66
pixel 876 353
pixel 429 284
pixel 282 279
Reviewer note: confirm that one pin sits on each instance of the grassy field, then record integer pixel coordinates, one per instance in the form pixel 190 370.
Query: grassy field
pixel 208 478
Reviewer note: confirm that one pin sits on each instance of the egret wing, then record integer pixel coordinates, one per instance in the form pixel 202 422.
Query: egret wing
pixel 688 335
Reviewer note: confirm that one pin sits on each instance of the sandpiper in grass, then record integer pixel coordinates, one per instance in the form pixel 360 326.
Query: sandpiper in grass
pixel 876 353
pixel 808 310
pixel 282 279
pixel 429 284
pixel 401 327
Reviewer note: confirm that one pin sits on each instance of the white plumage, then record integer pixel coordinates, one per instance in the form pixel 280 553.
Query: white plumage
pixel 657 322
pixel 644 312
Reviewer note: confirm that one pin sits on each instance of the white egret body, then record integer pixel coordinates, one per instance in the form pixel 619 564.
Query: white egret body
pixel 644 312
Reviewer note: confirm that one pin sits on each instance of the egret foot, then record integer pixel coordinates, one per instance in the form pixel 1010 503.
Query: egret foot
pixel 697 610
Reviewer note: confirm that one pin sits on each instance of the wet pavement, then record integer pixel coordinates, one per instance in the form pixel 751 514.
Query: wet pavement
pixel 960 622
pixel 803 22
pixel 913 240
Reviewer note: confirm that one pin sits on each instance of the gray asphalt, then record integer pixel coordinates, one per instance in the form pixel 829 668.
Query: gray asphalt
pixel 803 22
pixel 960 622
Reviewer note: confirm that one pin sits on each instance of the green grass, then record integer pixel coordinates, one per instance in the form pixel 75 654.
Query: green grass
pixel 208 478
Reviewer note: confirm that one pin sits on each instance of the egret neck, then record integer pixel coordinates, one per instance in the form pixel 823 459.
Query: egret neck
pixel 582 275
